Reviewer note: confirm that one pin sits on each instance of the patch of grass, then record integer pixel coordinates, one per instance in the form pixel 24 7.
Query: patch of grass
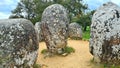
pixel 103 65
pixel 44 51
pixel 69 49
pixel 86 34
pixel 109 66
pixel 36 66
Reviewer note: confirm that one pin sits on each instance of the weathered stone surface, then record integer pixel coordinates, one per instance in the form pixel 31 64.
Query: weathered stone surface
pixel 18 43
pixel 55 28
pixel 75 30
pixel 38 29
pixel 15 16
pixel 105 34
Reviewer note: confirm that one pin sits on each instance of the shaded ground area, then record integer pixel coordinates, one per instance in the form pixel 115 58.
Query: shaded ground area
pixel 80 59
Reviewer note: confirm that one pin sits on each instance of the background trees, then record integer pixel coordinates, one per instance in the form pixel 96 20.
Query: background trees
pixel 84 19
pixel 32 10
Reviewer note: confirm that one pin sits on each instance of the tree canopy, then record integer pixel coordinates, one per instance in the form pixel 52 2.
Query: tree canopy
pixel 32 9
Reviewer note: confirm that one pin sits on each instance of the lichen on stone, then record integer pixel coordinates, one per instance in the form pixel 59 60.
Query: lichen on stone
pixel 54 25
pixel 18 43
pixel 105 34
pixel 75 30
pixel 39 31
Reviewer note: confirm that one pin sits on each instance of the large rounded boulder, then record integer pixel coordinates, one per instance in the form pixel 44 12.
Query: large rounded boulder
pixel 54 25
pixel 105 34
pixel 75 30
pixel 18 43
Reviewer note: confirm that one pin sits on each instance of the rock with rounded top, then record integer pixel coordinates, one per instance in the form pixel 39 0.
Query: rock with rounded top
pixel 54 25
pixel 18 43
pixel 39 31
pixel 105 34
pixel 75 30
pixel 15 16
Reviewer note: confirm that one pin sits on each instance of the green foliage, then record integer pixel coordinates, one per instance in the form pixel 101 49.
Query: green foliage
pixel 69 50
pixel 86 34
pixel 84 20
pixel 44 51
pixel 101 65
pixel 33 9
pixel 36 66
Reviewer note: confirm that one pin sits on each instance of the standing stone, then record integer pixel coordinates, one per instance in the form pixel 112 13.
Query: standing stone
pixel 105 34
pixel 18 43
pixel 55 28
pixel 75 30
pixel 38 29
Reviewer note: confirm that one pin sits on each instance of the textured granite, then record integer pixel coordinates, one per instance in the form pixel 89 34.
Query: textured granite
pixel 54 25
pixel 105 34
pixel 18 43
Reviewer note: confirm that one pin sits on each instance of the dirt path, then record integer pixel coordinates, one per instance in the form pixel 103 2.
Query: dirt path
pixel 80 59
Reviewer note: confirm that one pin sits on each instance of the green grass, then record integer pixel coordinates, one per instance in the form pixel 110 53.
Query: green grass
pixel 86 34
pixel 103 65
pixel 106 66
pixel 67 49
pixel 44 51
pixel 36 66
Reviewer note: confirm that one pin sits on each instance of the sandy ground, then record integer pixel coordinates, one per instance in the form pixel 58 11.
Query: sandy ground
pixel 80 59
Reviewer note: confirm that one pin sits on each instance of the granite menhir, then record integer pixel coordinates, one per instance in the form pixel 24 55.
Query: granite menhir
pixel 54 25
pixel 105 34
pixel 18 43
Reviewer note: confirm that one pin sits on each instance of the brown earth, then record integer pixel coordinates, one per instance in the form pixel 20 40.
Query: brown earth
pixel 80 59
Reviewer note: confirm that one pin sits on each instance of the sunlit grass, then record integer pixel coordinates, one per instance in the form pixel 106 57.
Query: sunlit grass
pixel 67 50
pixel 103 65
pixel 86 34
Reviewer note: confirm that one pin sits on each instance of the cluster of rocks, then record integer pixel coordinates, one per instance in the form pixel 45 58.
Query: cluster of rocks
pixel 18 43
pixel 105 34
pixel 56 28
pixel 19 39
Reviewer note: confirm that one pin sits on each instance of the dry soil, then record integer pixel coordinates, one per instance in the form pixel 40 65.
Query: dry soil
pixel 80 59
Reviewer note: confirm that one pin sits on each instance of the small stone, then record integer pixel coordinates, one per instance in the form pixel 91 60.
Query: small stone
pixel 64 54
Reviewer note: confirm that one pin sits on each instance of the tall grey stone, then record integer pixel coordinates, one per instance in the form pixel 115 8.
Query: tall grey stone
pixel 18 43
pixel 75 30
pixel 55 28
pixel 105 34
pixel 39 31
